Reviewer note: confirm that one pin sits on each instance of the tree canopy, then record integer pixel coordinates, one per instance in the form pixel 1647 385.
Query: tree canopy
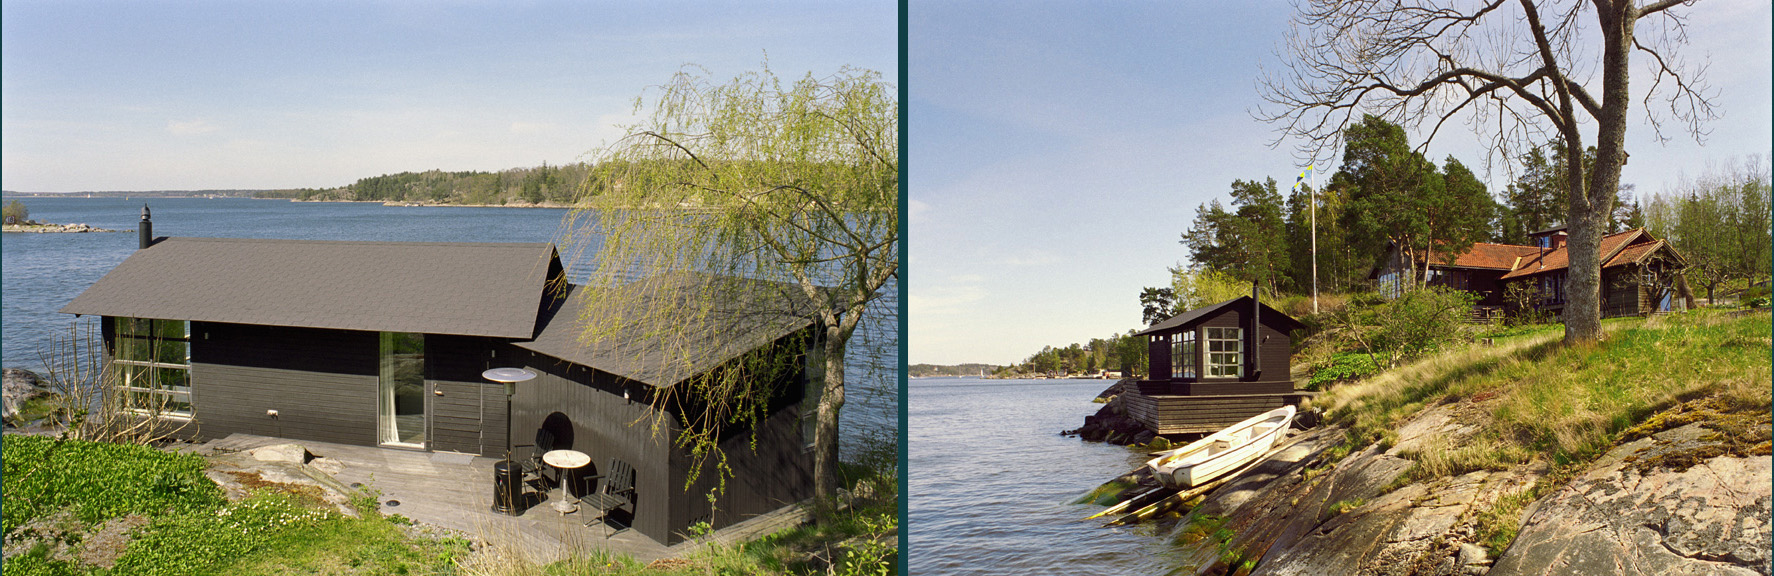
pixel 1519 73
pixel 795 185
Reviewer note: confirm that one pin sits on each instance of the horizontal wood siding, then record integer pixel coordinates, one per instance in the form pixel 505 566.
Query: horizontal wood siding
pixel 1173 414
pixel 323 383
pixel 467 411
pixel 601 424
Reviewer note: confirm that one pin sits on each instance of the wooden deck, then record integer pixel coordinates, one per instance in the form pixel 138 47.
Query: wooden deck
pixel 455 491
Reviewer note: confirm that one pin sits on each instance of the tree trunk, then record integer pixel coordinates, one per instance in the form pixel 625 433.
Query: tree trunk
pixel 1591 205
pixel 831 402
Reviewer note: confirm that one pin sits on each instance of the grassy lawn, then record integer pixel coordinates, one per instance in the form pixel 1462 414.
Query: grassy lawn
pixel 1535 399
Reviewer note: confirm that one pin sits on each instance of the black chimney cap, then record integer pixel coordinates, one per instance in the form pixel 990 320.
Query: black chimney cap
pixel 144 211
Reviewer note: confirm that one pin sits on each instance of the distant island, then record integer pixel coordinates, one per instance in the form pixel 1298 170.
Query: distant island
pixel 542 186
pixel 45 228
pixel 957 370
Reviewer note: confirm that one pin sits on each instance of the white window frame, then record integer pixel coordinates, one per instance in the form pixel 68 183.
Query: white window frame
pixel 127 385
pixel 1182 355
pixel 1225 353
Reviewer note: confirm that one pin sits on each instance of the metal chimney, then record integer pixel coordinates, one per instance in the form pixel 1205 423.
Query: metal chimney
pixel 145 231
pixel 1256 331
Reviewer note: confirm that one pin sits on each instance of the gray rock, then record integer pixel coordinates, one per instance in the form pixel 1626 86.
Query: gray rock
pixel 18 386
pixel 240 472
pixel 1473 555
pixel 281 453
pixel 1712 518
pixel 328 465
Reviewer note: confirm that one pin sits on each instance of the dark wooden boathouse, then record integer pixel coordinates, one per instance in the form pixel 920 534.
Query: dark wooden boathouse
pixel 383 344
pixel 1215 366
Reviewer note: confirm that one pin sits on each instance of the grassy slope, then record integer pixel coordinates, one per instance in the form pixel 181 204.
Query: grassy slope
pixel 1537 400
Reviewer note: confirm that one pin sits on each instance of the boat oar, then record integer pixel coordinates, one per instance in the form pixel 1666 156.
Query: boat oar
pixel 1178 498
pixel 1140 500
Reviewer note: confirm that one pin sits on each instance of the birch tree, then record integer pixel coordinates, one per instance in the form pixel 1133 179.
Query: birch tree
pixel 1516 71
pixel 757 186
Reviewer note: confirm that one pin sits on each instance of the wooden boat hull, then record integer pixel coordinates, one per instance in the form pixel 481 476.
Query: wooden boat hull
pixel 1221 452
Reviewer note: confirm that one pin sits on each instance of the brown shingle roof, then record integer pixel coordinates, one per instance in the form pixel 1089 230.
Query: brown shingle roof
pixel 758 313
pixel 1637 253
pixel 432 288
pixel 1487 255
pixel 1561 258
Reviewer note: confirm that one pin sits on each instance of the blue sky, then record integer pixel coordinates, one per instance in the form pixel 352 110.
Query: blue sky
pixel 1059 149
pixel 124 95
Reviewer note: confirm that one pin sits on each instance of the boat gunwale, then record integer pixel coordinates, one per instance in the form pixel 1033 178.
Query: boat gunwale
pixel 1286 414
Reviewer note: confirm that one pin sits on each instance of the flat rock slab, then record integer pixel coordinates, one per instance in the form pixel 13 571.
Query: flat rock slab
pixel 281 453
pixel 1711 518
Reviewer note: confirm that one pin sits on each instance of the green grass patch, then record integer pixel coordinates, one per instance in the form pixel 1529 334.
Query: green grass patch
pixel 1343 366
pixel 188 528
pixel 96 481
pixel 1537 397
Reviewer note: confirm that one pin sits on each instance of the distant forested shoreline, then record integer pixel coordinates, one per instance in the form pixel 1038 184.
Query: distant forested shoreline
pixel 543 185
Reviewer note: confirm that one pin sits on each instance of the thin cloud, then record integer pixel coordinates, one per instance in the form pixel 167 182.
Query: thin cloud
pixel 190 128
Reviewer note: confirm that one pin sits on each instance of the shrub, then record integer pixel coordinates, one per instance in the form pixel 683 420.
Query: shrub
pixel 1343 366
pixel 15 213
pixel 98 481
pixel 1419 321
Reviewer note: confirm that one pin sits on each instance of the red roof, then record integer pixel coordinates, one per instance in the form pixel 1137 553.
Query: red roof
pixel 1613 253
pixel 1487 255
pixel 1635 253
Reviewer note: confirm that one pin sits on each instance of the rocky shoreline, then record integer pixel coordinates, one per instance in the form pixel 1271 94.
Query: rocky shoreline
pixel 43 228
pixel 1682 498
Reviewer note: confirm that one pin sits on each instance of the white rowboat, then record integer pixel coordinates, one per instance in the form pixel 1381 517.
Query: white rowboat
pixel 1221 452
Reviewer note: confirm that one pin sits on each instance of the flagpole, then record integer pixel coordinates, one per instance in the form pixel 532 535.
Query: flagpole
pixel 1313 198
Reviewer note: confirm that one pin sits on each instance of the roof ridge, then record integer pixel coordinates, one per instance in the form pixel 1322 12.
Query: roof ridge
pixel 342 242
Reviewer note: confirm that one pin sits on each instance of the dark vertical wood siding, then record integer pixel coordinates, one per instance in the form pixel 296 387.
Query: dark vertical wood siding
pixel 1623 293
pixel 604 426
pixel 777 472
pixel 1158 356
pixel 323 383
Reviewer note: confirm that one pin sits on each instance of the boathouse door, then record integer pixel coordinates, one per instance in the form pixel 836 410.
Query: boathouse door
pixel 402 419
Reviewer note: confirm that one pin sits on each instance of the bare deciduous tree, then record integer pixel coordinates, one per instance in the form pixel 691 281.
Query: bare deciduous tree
pixel 1516 72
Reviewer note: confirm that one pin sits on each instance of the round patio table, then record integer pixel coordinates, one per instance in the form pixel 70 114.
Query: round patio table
pixel 562 461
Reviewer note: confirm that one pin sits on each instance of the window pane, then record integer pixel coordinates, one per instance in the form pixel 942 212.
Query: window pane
pixel 173 379
pixel 169 351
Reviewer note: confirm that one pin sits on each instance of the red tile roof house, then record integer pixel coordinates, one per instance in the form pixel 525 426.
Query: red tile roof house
pixel 1638 273
pixel 384 343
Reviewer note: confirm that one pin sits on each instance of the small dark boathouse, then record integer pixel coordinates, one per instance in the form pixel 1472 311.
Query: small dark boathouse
pixel 1214 366
pixel 384 343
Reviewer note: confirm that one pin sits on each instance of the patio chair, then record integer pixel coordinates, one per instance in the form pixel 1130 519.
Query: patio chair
pixel 533 467
pixel 615 490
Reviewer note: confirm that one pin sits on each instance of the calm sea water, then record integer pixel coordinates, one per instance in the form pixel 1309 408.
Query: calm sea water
pixel 990 478
pixel 40 273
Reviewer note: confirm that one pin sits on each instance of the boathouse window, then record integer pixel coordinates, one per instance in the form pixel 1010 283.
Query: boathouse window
pixel 1182 355
pixel 1225 352
pixel 153 361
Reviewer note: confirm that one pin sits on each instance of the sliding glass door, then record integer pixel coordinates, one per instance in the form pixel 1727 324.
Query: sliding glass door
pixel 403 390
